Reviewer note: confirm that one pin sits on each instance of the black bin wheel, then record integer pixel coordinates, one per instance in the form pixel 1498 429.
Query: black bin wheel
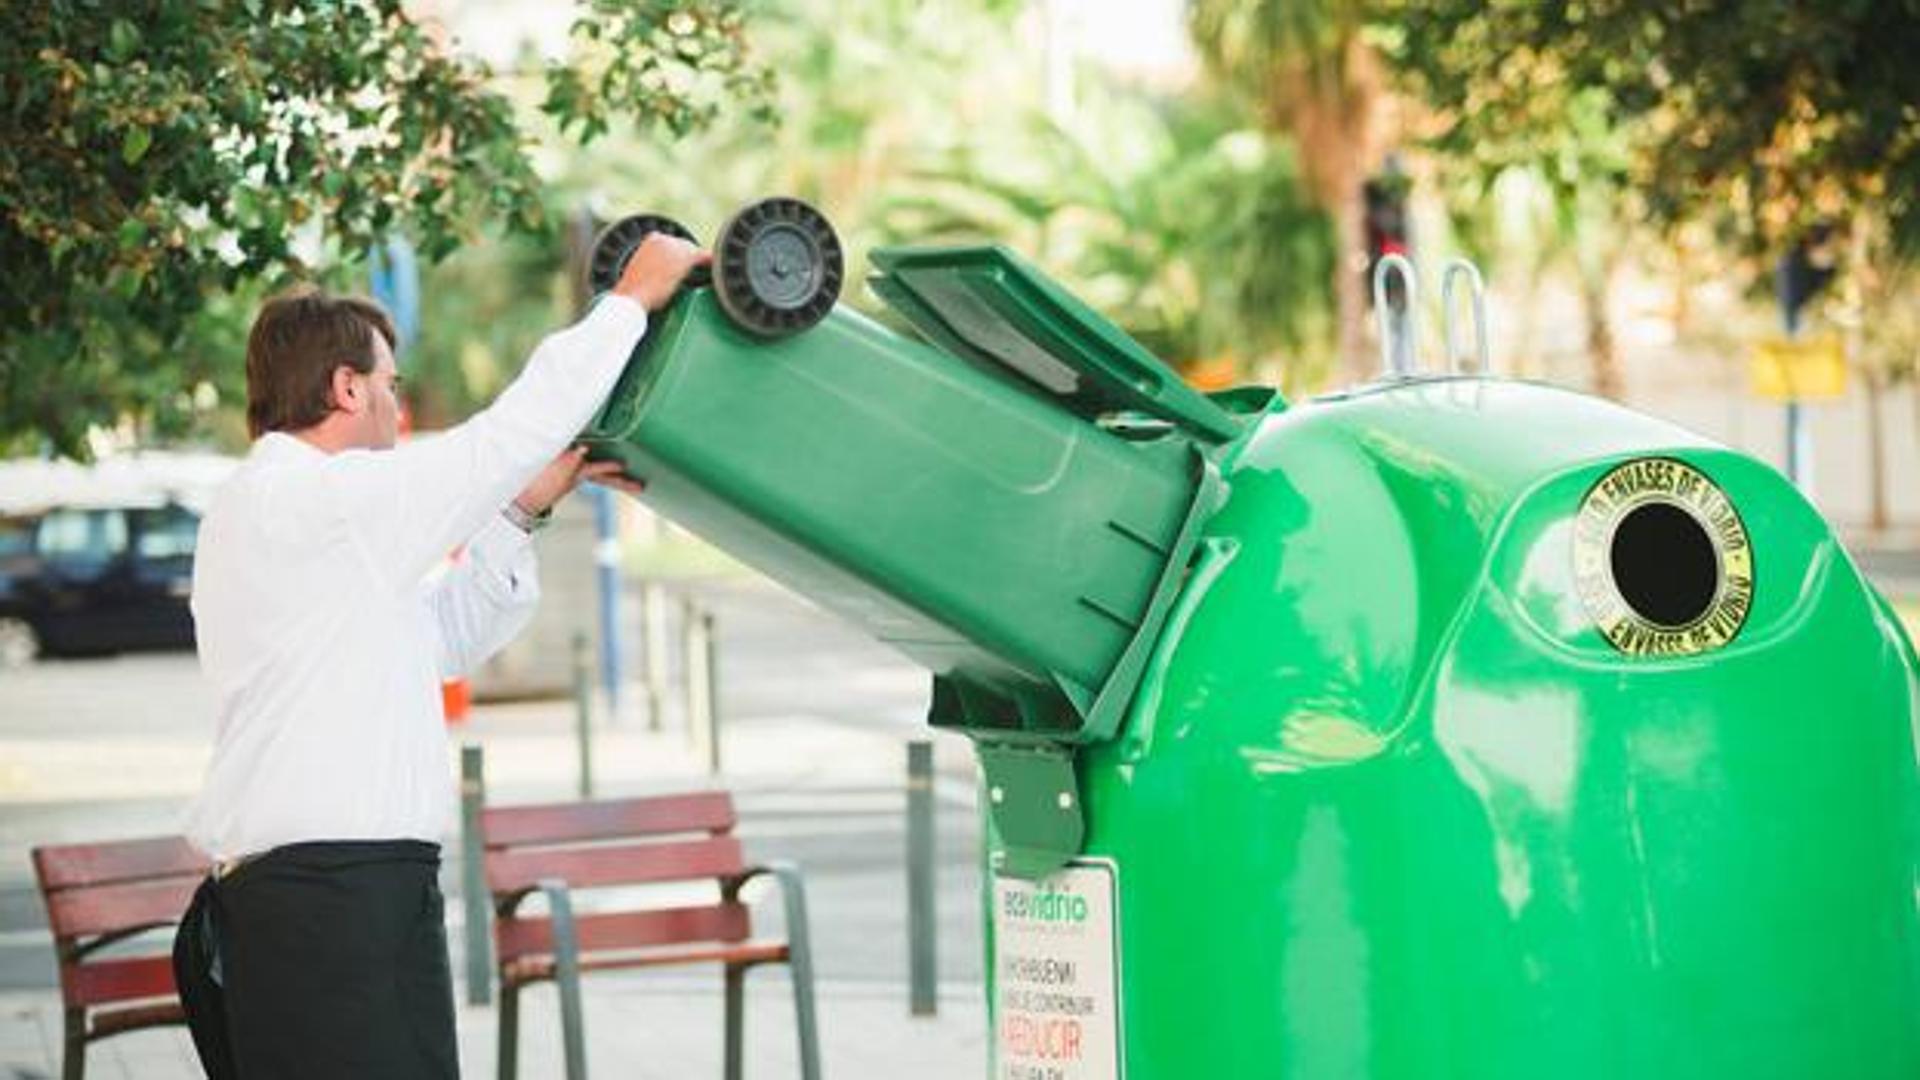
pixel 777 268
pixel 618 241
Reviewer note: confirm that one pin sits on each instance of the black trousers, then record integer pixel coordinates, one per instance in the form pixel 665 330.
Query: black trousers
pixel 321 961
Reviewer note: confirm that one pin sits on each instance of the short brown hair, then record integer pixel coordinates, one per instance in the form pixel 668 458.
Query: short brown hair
pixel 297 340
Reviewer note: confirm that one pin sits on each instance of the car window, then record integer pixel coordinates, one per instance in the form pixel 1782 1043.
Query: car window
pixel 16 537
pixel 83 537
pixel 167 533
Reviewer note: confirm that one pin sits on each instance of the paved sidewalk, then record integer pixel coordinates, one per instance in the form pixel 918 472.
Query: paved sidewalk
pixel 95 751
pixel 639 1027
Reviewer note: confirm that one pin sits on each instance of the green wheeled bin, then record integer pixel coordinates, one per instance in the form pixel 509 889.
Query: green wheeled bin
pixel 1446 727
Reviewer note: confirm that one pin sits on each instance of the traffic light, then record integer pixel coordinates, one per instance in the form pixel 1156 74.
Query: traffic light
pixel 1385 200
pixel 1804 270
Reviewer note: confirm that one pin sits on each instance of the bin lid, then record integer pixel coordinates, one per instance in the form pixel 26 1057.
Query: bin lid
pixel 987 305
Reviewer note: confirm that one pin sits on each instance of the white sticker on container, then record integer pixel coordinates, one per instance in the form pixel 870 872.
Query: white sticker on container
pixel 1056 1004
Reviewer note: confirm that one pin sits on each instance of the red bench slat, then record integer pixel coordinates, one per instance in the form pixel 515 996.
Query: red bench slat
pixel 66 866
pixel 526 936
pixel 105 909
pixel 529 969
pixel 559 823
pixel 615 864
pixel 129 978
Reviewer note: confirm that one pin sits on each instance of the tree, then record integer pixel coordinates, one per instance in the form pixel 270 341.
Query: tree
pixel 868 92
pixel 1786 112
pixel 1190 232
pixel 1756 120
pixel 1313 74
pixel 1568 178
pixel 868 89
pixel 158 156
pixel 912 121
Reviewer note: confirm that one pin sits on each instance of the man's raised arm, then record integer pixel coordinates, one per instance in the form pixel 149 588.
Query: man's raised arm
pixel 409 506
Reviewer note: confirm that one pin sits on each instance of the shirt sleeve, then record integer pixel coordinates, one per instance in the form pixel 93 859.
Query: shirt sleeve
pixel 407 507
pixel 485 599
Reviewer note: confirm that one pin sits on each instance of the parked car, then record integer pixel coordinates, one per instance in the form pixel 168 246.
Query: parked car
pixel 77 580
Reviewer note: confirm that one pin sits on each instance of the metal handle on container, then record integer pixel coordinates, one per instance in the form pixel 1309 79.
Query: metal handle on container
pixel 1396 353
pixel 1477 290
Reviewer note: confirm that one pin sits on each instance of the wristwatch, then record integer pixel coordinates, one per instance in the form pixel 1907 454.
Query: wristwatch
pixel 525 522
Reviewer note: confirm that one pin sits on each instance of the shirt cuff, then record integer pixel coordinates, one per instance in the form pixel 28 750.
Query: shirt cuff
pixel 498 543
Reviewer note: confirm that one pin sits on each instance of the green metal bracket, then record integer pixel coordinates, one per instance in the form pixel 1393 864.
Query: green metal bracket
pixel 1034 799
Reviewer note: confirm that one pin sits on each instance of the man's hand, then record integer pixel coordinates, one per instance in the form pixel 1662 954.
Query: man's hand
pixel 657 267
pixel 564 473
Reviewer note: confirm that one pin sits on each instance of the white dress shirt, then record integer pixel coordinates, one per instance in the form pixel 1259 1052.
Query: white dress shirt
pixel 323 640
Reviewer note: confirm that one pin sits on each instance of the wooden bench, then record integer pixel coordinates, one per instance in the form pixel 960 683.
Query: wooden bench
pixel 99 894
pixel 560 849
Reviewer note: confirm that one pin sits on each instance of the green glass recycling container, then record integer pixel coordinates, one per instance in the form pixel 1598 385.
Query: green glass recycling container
pixel 1451 727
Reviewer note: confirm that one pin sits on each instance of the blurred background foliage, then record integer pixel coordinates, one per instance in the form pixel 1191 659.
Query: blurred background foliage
pixel 157 184
pixel 927 123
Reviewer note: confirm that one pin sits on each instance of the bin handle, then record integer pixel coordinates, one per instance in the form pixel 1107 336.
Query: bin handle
pixel 1397 362
pixel 1457 268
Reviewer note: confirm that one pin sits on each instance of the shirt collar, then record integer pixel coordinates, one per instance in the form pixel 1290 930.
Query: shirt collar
pixel 280 446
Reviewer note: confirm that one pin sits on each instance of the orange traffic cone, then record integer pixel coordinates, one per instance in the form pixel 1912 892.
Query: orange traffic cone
pixel 456 699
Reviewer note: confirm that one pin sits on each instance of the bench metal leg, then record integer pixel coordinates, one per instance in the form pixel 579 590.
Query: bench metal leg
pixel 736 1019
pixel 566 976
pixel 800 966
pixel 73 1061
pixel 509 1042
pixel 793 894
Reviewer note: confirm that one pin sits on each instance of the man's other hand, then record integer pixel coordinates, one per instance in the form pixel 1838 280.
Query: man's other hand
pixel 657 267
pixel 564 473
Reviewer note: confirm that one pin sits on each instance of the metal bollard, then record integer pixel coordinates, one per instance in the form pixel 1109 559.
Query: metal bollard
pixel 583 712
pixel 653 610
pixel 703 684
pixel 693 681
pixel 710 641
pixel 921 923
pixel 606 561
pixel 473 883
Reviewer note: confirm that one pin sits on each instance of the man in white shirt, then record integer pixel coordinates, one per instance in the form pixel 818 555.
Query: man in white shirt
pixel 317 947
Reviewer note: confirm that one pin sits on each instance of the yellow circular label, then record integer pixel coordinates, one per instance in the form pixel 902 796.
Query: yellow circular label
pixel 1648 588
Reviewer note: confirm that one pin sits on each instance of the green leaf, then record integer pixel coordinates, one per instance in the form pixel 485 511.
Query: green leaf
pixel 122 40
pixel 134 145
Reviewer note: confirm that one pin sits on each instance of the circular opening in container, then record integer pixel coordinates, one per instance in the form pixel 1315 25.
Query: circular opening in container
pixel 1665 565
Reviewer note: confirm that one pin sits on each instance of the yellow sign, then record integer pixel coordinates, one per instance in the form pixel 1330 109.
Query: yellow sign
pixel 1662 560
pixel 1800 369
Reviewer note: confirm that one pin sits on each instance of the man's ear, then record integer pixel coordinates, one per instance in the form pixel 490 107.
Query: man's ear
pixel 345 391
